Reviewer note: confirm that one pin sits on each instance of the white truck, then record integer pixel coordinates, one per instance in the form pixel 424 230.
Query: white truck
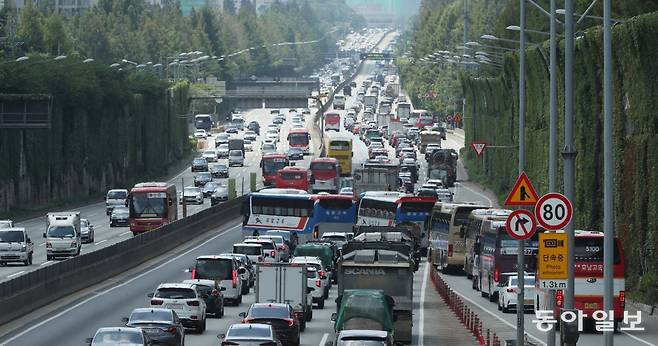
pixel 375 177
pixel 339 102
pixel 403 111
pixel 63 235
pixel 285 283
pixel 370 101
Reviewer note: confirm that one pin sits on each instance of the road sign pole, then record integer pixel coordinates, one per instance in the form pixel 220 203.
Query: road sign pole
pixel 608 173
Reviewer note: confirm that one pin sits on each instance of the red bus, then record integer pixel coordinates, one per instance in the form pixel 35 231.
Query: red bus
pixel 271 163
pixel 588 273
pixel 332 121
pixel 325 175
pixel 152 205
pixel 424 121
pixel 292 178
pixel 299 138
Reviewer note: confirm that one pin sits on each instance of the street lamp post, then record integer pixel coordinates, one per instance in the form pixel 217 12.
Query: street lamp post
pixel 520 258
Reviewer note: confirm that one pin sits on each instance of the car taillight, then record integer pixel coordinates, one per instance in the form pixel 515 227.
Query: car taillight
pixel 291 322
pixel 282 247
pixel 49 245
pixel 496 275
pixel 318 283
pixel 510 290
pixel 156 301
pixel 449 250
pixel 272 253
pixel 194 273
pixel 559 298
pixel 234 278
pixel 322 273
pixel 622 299
pixel 214 292
pixel 193 303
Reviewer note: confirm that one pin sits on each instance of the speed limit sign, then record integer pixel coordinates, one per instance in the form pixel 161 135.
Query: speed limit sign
pixel 553 211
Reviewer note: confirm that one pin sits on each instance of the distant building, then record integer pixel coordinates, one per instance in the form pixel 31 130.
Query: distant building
pixel 64 7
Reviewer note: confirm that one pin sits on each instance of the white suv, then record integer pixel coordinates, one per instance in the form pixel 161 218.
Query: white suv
pixel 313 280
pixel 185 300
pixel 270 250
pixel 317 264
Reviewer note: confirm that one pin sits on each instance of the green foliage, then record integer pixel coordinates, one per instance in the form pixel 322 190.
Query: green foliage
pixel 492 106
pixel 108 129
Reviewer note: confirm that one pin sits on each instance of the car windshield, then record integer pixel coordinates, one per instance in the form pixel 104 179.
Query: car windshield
pixel 323 166
pixel 113 337
pixel 340 238
pixel 203 175
pixel 258 311
pixel 175 293
pixel 11 236
pixel 164 316
pixel 235 153
pixel 266 245
pixel 277 240
pixel 243 332
pixel 61 231
pixel 223 146
pixel 199 161
pixel 141 205
pixel 219 269
pixel 247 250
pixel 268 146
pixel 117 195
pixel 271 166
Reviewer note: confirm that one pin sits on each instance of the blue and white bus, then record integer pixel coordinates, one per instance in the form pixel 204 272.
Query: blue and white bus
pixel 297 211
pixel 388 208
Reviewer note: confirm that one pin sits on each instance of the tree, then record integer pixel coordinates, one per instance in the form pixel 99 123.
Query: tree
pixel 56 38
pixel 229 7
pixel 30 28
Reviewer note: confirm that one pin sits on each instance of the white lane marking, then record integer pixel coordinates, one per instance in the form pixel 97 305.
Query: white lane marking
pixel 62 313
pixel 477 193
pixel 101 242
pixel 324 339
pixel 16 274
pixel 421 314
pixel 42 244
pixel 124 233
pixel 496 316
pixel 638 339
pixel 45 263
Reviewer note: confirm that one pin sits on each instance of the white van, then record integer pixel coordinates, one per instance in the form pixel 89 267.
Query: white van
pixel 63 235
pixel 115 197
pixel 15 246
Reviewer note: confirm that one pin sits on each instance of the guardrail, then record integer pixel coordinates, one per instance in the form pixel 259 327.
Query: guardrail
pixel 41 287
pixel 359 69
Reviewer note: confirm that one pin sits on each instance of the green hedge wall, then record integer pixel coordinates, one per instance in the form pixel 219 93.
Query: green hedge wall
pixel 492 116
pixel 109 129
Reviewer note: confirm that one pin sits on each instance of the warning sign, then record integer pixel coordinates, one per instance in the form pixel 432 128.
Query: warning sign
pixel 552 260
pixel 478 147
pixel 523 193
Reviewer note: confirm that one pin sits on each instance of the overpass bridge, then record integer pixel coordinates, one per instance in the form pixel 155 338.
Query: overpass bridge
pixel 278 93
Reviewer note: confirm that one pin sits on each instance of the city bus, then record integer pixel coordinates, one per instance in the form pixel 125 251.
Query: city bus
pixel 333 213
pixel 282 209
pixel 270 164
pixel 325 175
pixel 447 234
pixel 588 273
pixel 292 178
pixel 476 224
pixel 299 138
pixel 340 148
pixel 497 252
pixel 387 208
pixel 203 121
pixel 152 205
pixel 332 121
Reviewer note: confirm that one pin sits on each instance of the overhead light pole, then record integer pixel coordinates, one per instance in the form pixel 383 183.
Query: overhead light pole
pixel 520 258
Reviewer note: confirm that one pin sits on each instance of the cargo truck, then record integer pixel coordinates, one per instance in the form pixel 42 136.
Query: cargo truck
pixel 375 177
pixel 363 309
pixel 236 144
pixel 442 165
pixel 63 234
pixel 403 111
pixel 385 266
pixel 370 101
pixel 285 283
pixel 429 137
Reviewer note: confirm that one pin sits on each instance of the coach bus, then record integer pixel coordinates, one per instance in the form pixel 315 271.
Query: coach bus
pixel 333 213
pixel 447 234
pixel 588 270
pixel 387 208
pixel 332 121
pixel 152 205
pixel 299 138
pixel 270 164
pixel 474 229
pixel 498 257
pixel 340 148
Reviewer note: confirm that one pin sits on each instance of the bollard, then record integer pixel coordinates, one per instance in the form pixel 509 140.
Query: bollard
pixel 488 338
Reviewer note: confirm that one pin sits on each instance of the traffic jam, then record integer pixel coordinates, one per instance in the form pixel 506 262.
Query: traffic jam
pixel 342 222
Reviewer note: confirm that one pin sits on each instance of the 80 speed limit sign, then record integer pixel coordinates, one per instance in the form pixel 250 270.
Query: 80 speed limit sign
pixel 553 211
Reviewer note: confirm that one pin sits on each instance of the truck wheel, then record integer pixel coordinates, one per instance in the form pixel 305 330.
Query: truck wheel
pixel 321 304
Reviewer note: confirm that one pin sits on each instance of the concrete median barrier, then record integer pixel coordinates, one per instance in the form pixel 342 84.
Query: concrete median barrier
pixel 38 288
